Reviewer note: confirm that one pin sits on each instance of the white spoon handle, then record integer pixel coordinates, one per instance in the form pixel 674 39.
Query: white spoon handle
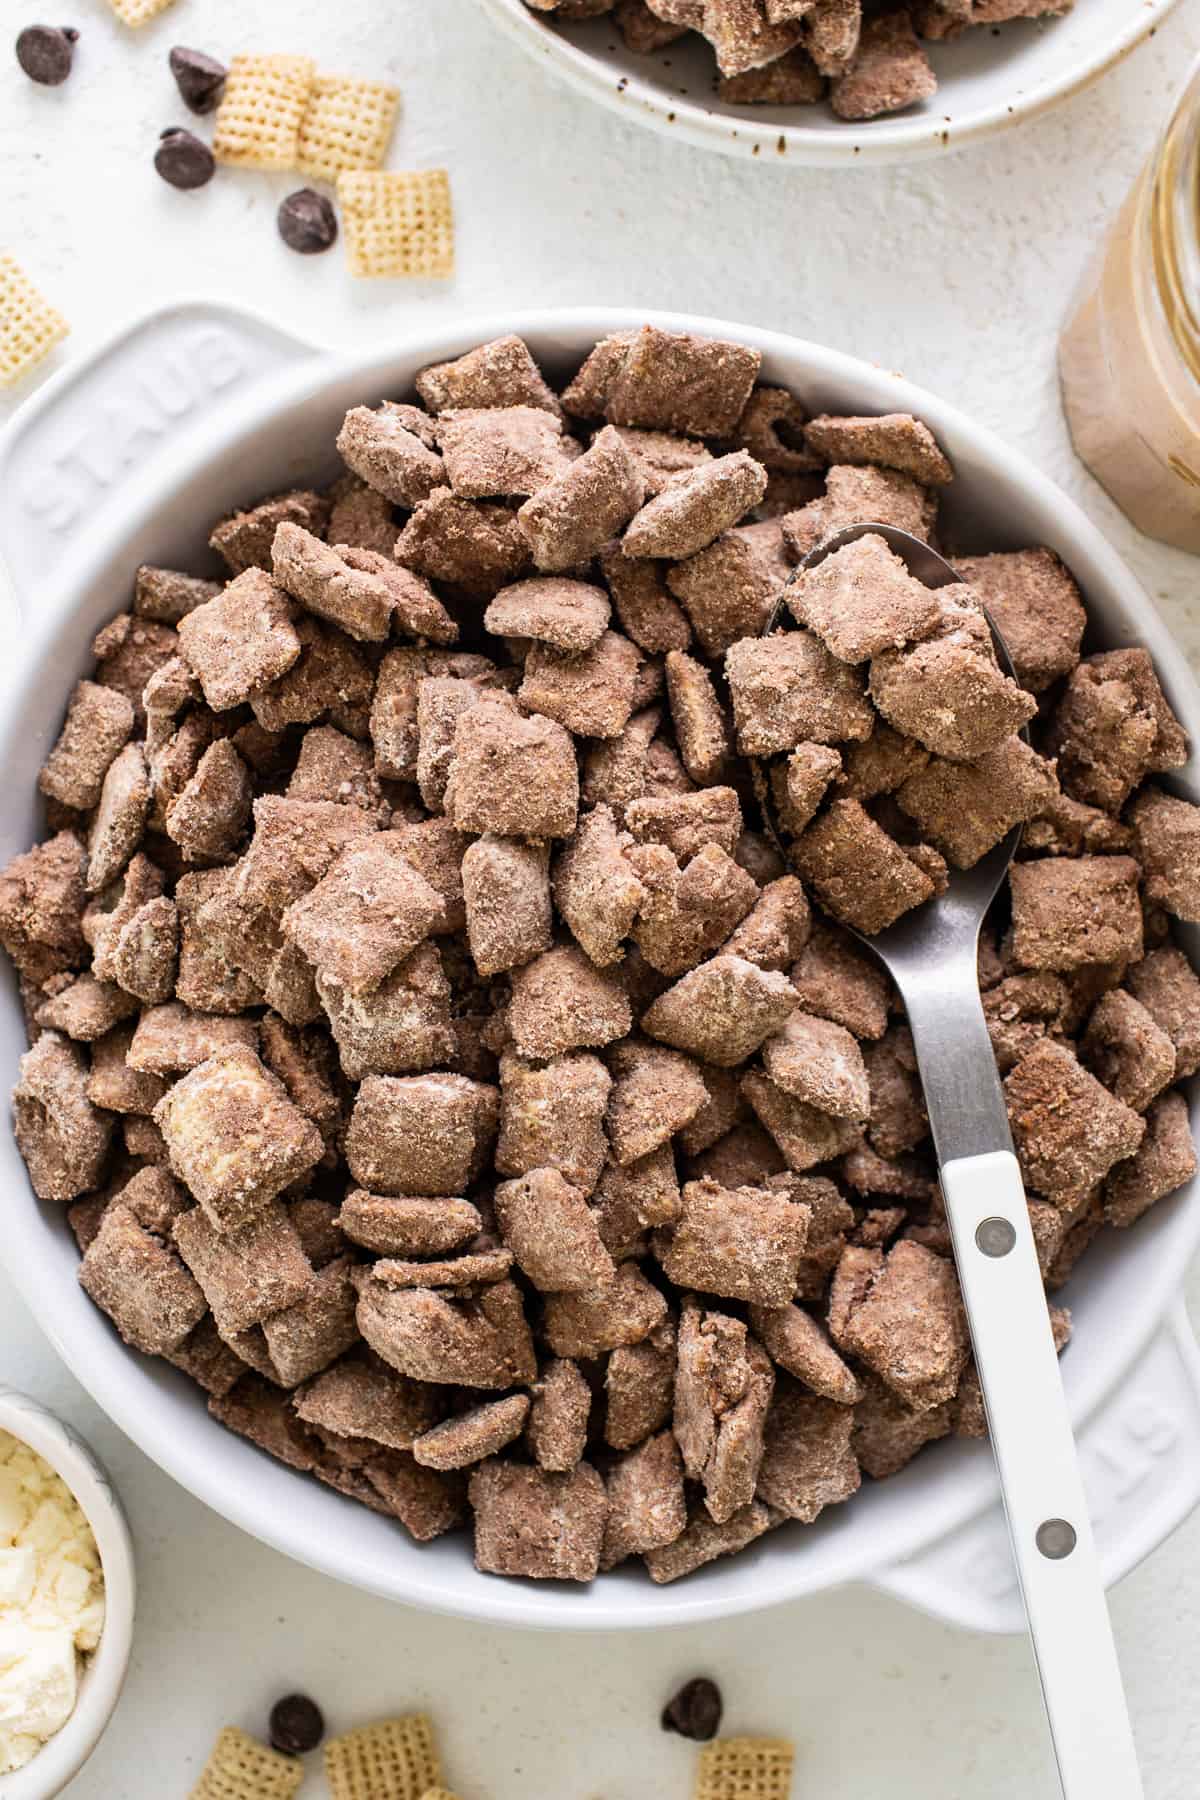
pixel 1039 1472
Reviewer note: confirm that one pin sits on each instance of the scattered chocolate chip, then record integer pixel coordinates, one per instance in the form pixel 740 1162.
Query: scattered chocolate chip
pixel 695 1712
pixel 296 1725
pixel 307 222
pixel 199 78
pixel 183 160
pixel 46 52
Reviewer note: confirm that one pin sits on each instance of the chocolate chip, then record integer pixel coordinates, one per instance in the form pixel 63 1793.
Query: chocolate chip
pixel 307 222
pixel 183 160
pixel 296 1725
pixel 199 78
pixel 695 1712
pixel 46 52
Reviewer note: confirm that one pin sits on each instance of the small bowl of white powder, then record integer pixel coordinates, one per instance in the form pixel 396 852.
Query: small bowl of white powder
pixel 66 1600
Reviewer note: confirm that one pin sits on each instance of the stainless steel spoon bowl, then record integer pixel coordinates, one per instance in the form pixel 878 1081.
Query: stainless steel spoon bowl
pixel 931 955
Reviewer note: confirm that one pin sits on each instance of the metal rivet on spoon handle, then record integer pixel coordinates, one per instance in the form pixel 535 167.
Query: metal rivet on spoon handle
pixel 931 954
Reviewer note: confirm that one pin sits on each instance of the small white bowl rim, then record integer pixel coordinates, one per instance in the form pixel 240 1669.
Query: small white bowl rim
pixel 904 138
pixel 62 1757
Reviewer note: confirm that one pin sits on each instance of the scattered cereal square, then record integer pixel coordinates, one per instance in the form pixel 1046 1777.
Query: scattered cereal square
pixel 29 326
pixel 240 1768
pixel 347 124
pixel 398 223
pixel 258 121
pixel 394 1759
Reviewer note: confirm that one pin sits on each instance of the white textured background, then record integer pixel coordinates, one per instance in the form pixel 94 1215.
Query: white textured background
pixel 956 272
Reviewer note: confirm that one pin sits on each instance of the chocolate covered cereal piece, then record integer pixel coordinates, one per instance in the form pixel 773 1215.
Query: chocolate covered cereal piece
pixel 685 823
pixel 475 545
pixel 552 1233
pixel 471 1436
pixel 552 609
pixel 392 449
pixel 820 1063
pixel 365 916
pixel 888 1433
pixel 890 71
pixel 664 381
pixel 647 1506
pixel 209 815
pixel 61 1134
pixel 171 1039
pixel 949 692
pixel 624 1311
pixel 655 1093
pixel 697 716
pixel 808 1461
pixel 703 1541
pixel 1068 1129
pixel 788 690
pixel 328 584
pixel 141 1284
pixel 859 496
pixel 805 1135
pixel 1166 835
pixel 244 539
pixel 630 1198
pixel 639 1387
pixel 834 979
pixel 360 517
pixel 895 440
pixel 1169 989
pixel 687 912
pixel 648 613
pixel 500 373
pixel 167 595
pixel 727 591
pixel 471 1339
pixel 1071 912
pixel 572 516
pixel 858 873
pixel 557 1426
pixel 797 1342
pixel 1164 1160
pixel 128 652
pixel 512 775
pixel 744 1243
pixel 561 1001
pixel 41 903
pixel 695 507
pixel 1036 606
pixel 596 888
pixel 1127 1051
pixel 233 1136
pixel 506 890
pixel 552 1117
pixel 722 1011
pixel 592 693
pixel 532 1523
pixel 907 1324
pixel 119 819
pixel 98 724
pixel 861 600
pixel 113 1086
pixel 1113 726
pixel 361 1397
pixel 965 809
pixel 86 1009
pixel 248 1273
pixel 776 928
pixel 241 641
pixel 422 1135
pixel 502 450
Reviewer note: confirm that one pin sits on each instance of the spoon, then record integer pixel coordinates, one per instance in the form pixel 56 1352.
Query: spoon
pixel 930 953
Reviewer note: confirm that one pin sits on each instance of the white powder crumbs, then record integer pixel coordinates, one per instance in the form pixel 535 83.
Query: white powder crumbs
pixel 51 1601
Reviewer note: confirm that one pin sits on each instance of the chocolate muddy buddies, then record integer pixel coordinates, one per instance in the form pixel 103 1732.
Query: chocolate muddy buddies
pixel 438 1064
pixel 865 59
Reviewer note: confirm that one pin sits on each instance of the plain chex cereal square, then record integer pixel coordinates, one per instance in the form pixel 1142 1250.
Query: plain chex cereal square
pixel 398 223
pixel 139 12
pixel 258 120
pixel 29 325
pixel 394 1759
pixel 745 1768
pixel 240 1768
pixel 348 125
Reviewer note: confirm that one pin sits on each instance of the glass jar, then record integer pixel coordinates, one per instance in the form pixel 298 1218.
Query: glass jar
pixel 1130 354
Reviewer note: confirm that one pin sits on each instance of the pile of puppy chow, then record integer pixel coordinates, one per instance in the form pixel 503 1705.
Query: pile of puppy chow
pixel 867 59
pixel 437 1061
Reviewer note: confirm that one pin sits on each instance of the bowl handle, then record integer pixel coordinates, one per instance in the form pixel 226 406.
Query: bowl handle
pixel 1140 1455
pixel 73 448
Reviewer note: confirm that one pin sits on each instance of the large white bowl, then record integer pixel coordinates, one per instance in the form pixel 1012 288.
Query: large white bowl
pixel 127 458
pixel 987 80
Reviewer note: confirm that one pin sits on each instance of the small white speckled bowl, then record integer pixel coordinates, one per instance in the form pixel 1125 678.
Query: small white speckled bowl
pixel 987 82
pixel 104 1673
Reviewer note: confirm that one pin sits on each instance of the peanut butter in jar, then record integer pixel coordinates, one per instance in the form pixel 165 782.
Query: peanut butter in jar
pixel 1130 354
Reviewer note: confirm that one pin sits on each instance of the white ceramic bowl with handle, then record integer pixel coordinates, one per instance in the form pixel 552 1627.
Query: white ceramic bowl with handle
pixel 103 1676
pixel 127 458
pixel 988 79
